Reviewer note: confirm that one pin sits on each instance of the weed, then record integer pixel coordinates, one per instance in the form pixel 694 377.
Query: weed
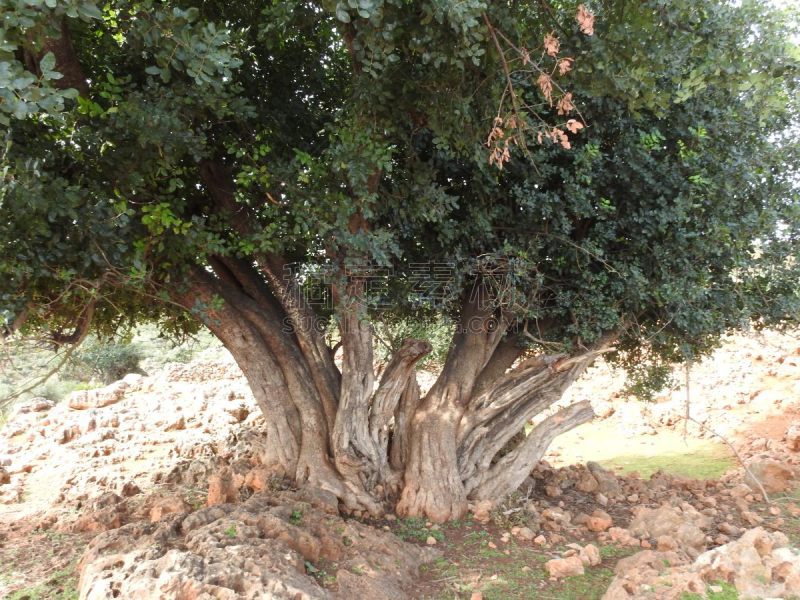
pixel 320 574
pixel 296 517
pixel 616 551
pixel 231 531
pixel 413 528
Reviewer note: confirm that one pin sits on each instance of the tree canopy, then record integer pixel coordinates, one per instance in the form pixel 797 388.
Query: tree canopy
pixel 625 167
pixel 673 208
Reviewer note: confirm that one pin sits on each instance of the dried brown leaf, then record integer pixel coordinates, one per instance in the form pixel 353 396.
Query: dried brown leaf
pixel 585 19
pixel 565 105
pixel 546 85
pixel 551 44
pixel 574 126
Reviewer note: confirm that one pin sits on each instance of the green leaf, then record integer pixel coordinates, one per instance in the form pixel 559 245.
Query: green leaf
pixel 342 14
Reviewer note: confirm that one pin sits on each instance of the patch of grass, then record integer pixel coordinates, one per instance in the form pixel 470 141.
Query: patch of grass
pixel 322 573
pixel 413 528
pixel 231 531
pixel 61 585
pixel 709 463
pixel 296 517
pixel 728 592
pixel 477 536
pixel 612 551
pixel 459 523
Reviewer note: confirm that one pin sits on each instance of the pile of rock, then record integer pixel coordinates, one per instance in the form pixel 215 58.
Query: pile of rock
pixel 759 564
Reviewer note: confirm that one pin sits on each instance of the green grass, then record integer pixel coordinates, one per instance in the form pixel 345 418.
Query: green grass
pixel 708 463
pixel 61 585
pixel 296 517
pixel 728 592
pixel 415 529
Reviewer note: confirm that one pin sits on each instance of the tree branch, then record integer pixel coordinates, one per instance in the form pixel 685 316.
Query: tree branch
pixel 394 382
pixel 508 473
pixel 82 325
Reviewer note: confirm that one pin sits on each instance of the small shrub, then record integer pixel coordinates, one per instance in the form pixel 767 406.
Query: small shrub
pixel 106 361
pixel 296 517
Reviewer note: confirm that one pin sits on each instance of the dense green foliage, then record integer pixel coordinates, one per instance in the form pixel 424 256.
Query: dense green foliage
pixel 674 212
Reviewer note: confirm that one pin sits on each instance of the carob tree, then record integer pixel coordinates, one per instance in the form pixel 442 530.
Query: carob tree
pixel 560 181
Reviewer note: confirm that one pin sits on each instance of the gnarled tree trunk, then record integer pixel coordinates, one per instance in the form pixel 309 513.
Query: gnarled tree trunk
pixel 377 444
pixel 380 446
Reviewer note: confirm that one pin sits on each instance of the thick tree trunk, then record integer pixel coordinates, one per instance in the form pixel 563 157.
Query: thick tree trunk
pixel 383 447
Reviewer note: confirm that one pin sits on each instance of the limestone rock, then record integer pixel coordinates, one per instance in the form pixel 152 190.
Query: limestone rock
pixel 793 438
pixel 598 521
pixel 85 399
pixel 681 524
pixel 245 551
pixel 221 488
pixel 606 481
pixel 759 564
pixel 564 567
pixel 775 476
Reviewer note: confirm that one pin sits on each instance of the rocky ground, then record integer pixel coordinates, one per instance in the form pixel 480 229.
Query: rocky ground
pixel 152 487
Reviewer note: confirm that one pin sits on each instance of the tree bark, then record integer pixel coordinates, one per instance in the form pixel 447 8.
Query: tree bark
pixel 386 447
pixel 433 486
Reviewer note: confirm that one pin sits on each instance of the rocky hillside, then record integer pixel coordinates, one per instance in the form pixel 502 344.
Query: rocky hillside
pixel 161 476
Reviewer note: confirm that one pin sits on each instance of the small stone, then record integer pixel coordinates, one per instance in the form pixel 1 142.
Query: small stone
pixel 565 567
pixel 598 521
pixel 431 541
pixel 590 555
pixel 552 491
pixel 540 540
pixel 526 533
pixel 482 511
